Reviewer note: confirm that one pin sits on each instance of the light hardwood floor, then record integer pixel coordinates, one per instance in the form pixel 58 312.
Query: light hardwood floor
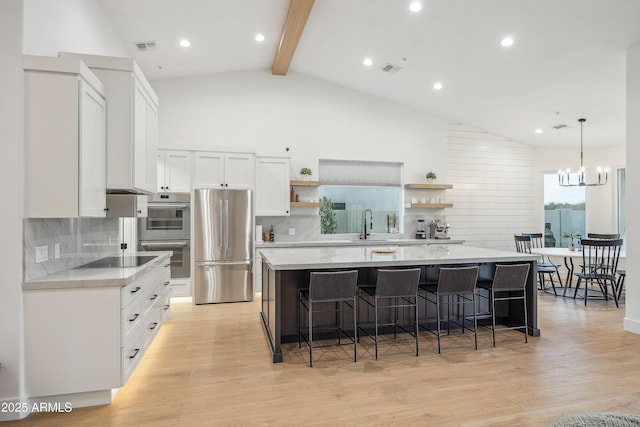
pixel 210 365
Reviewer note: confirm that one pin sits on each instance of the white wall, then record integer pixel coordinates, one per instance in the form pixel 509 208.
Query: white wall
pixel 78 26
pixel 315 119
pixel 632 307
pixel 11 172
pixel 492 193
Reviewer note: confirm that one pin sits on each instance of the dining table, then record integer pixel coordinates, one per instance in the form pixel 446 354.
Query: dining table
pixel 568 255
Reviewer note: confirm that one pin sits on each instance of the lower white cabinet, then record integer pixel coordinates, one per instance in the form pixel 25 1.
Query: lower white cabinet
pixel 88 340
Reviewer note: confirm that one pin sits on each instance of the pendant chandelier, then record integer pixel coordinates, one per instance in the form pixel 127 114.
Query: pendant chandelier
pixel 564 177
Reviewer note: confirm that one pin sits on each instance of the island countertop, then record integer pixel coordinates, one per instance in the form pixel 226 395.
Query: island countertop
pixel 384 256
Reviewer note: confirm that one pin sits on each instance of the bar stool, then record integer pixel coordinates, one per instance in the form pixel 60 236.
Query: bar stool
pixel 459 282
pixel 339 287
pixel 400 287
pixel 509 281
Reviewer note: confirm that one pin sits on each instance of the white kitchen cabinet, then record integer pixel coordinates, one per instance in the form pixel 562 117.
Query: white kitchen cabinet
pixel 132 123
pixel 174 171
pixel 227 170
pixel 65 132
pixel 82 342
pixel 272 186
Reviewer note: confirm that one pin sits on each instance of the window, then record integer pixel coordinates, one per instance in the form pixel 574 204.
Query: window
pixel 564 211
pixel 350 187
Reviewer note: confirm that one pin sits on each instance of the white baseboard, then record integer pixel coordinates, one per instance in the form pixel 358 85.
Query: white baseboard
pixel 631 325
pixel 175 300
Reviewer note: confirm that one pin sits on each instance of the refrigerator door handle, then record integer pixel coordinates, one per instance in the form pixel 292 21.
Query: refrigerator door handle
pixel 219 263
pixel 226 224
pixel 220 223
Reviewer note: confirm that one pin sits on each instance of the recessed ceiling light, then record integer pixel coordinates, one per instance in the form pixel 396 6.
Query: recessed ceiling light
pixel 437 85
pixel 507 41
pixel 368 62
pixel 185 43
pixel 538 131
pixel 259 37
pixel 415 6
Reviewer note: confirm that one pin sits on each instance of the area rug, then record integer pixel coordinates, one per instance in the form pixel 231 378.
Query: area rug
pixel 598 419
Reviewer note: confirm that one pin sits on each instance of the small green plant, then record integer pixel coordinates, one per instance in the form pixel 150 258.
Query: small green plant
pixel 328 221
pixel 431 175
pixel 305 171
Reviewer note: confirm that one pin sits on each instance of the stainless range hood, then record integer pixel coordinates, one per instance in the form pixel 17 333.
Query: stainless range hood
pixel 126 205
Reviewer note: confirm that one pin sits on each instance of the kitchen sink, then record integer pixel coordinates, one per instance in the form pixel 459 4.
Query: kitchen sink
pixel 119 261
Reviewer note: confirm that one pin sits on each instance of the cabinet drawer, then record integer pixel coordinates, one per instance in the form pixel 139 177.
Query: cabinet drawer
pixel 131 292
pixel 131 354
pixel 151 326
pixel 131 320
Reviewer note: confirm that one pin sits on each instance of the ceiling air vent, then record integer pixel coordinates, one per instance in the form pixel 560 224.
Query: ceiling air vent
pixel 145 46
pixel 390 68
pixel 560 126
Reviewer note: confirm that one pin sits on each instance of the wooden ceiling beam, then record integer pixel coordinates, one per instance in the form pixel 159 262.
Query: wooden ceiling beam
pixel 299 11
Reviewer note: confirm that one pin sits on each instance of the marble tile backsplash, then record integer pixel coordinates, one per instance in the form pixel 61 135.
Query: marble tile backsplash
pixel 307 227
pixel 81 240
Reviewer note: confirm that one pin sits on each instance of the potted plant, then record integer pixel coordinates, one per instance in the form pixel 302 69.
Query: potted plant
pixel 305 173
pixel 328 221
pixel 431 176
pixel 572 236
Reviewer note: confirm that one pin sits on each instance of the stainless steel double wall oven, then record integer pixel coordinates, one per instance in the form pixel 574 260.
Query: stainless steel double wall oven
pixel 167 228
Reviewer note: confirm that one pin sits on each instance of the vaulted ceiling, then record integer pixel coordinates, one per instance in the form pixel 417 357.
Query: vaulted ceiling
pixel 567 60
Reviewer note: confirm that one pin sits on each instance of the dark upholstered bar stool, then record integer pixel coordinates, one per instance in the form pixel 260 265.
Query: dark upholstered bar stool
pixel 400 288
pixel 457 286
pixel 509 282
pixel 341 288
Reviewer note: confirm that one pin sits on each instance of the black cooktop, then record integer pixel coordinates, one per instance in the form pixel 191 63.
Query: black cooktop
pixel 119 261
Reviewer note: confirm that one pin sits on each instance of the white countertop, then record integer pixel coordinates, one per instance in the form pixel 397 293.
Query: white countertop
pixel 357 242
pixel 352 257
pixel 96 277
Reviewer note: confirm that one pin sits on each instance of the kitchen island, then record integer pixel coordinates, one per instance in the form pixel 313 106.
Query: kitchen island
pixel 285 270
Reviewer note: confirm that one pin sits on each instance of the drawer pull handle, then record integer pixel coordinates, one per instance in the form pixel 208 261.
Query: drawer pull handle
pixel 166 307
pixel 167 265
pixel 135 316
pixel 153 297
pixel 153 325
pixel 136 289
pixel 166 283
pixel 135 353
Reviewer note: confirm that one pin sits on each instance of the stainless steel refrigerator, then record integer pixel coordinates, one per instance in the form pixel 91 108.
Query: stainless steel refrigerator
pixel 222 242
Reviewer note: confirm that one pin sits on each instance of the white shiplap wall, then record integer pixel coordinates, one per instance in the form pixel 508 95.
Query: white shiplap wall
pixel 493 188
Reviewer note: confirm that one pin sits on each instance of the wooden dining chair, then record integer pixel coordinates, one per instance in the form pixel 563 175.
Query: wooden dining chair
pixel 600 261
pixel 523 245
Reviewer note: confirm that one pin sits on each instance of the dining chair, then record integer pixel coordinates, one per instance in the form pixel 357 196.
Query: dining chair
pixel 600 261
pixel 537 241
pixel 523 245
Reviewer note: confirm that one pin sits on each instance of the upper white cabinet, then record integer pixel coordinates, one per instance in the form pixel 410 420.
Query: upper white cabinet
pixel 174 171
pixel 228 170
pixel 132 123
pixel 65 132
pixel 272 186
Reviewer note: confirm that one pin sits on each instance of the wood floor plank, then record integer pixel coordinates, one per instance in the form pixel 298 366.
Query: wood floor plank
pixel 210 365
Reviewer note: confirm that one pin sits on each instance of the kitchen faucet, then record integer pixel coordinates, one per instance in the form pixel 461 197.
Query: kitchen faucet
pixel 365 234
